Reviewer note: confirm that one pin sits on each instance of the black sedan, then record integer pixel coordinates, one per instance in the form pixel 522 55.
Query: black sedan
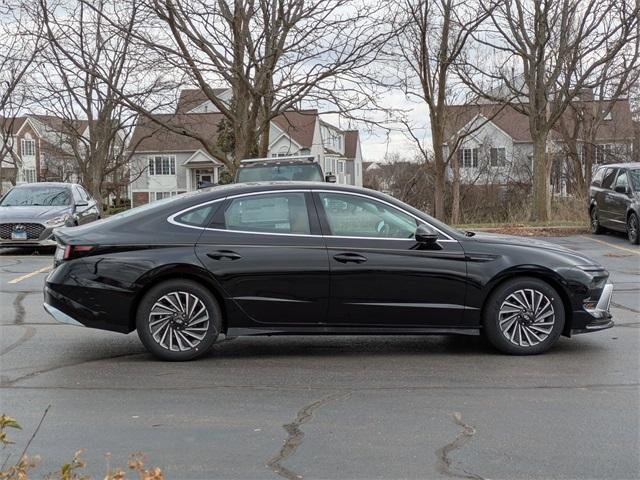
pixel 314 258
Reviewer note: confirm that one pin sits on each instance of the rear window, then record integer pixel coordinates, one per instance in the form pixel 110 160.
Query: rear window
pixel 309 172
pixel 609 176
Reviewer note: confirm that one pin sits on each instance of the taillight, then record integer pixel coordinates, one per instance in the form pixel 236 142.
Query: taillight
pixel 69 252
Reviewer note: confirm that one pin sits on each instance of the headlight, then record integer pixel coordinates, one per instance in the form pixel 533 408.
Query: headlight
pixel 57 221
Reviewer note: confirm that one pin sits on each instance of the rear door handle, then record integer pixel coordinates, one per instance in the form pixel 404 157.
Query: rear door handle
pixel 350 258
pixel 224 254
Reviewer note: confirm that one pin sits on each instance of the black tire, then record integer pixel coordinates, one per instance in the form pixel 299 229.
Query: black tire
pixel 596 228
pixel 525 329
pixel 633 229
pixel 188 343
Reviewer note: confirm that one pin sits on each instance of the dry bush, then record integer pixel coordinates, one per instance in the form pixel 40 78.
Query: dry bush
pixel 69 471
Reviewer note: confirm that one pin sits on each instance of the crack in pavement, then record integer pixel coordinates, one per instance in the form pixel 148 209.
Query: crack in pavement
pixel 4 382
pixel 20 312
pixel 28 334
pixel 444 462
pixel 624 307
pixel 295 436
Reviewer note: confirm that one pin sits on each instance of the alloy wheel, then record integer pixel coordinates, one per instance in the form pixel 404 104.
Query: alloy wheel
pixel 178 321
pixel 526 317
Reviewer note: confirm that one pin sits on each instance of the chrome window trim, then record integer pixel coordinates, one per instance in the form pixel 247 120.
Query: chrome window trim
pixel 171 219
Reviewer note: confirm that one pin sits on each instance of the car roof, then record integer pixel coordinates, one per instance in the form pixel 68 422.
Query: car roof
pixel 621 165
pixel 45 184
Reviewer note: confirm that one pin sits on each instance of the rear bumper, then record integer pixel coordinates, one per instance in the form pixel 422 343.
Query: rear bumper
pixel 595 319
pixel 60 316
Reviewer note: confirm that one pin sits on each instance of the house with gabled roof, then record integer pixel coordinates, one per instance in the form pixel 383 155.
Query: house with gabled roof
pixel 496 145
pixel 170 163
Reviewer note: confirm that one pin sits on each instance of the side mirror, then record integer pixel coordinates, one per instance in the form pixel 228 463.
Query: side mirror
pixel 331 178
pixel 621 189
pixel 426 235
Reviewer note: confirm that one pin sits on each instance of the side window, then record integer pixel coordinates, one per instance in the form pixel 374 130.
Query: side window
pixel 622 180
pixel 77 197
pixel 84 194
pixel 198 217
pixel 355 216
pixel 269 213
pixel 609 175
pixel 597 178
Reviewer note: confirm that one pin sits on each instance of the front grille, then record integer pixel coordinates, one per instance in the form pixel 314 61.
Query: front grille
pixel 34 230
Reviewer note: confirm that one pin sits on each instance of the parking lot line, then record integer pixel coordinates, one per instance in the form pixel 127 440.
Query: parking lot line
pixel 635 252
pixel 29 275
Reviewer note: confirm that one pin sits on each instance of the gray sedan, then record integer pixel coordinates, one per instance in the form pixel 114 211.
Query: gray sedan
pixel 30 212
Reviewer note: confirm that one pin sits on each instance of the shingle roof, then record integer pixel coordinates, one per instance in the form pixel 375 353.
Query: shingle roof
pixel 190 98
pixel 149 136
pixel 299 125
pixel 516 124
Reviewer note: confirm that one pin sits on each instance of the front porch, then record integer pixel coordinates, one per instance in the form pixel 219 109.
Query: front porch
pixel 201 169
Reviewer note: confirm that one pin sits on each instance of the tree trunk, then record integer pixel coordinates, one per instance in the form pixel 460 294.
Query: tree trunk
pixel 440 179
pixel 541 177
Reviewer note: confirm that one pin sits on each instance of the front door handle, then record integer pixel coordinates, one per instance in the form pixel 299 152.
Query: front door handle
pixel 350 258
pixel 224 254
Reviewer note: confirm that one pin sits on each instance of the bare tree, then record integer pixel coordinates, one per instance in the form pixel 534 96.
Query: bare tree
pixel 18 53
pixel 544 54
pixel 87 66
pixel 273 55
pixel 433 35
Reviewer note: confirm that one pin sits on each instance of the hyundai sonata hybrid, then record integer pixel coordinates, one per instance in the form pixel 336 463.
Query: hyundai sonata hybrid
pixel 314 258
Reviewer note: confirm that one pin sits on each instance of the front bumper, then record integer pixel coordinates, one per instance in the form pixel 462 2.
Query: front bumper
pixel 47 242
pixel 597 318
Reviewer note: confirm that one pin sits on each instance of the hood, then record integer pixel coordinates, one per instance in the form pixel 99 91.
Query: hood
pixel 496 238
pixel 31 213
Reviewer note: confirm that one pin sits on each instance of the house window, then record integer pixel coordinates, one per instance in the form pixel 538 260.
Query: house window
pixel 29 175
pixel 468 157
pixel 28 148
pixel 162 165
pixel 162 195
pixel 340 166
pixel 497 157
pixel 604 152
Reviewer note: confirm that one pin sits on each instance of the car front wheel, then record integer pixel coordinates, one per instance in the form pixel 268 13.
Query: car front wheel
pixel 632 229
pixel 524 316
pixel 178 320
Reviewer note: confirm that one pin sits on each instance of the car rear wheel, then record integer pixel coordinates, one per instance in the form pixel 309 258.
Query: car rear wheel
pixel 178 320
pixel 596 228
pixel 633 229
pixel 524 316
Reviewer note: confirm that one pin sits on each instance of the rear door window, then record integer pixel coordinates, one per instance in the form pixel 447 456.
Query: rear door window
pixel 622 180
pixel 597 178
pixel 284 213
pixel 609 176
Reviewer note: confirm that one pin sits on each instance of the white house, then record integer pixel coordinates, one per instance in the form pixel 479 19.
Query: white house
pixel 166 163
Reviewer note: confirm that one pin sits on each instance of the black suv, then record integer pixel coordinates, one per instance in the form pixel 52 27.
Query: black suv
pixel 273 169
pixel 614 199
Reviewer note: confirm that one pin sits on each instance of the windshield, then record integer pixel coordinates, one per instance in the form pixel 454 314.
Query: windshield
pixel 37 196
pixel 267 173
pixel 635 179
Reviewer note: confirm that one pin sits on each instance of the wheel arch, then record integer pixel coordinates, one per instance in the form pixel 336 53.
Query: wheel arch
pixel 173 272
pixel 547 276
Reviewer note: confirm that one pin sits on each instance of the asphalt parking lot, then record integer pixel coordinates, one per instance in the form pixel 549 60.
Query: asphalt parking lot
pixel 327 407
